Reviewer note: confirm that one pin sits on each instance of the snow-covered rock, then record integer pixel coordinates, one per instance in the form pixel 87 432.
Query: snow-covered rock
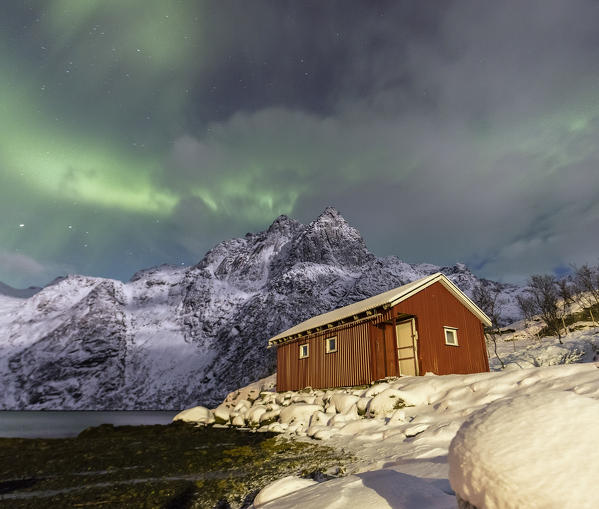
pixel 343 402
pixel 238 421
pixel 281 488
pixel 222 414
pixel 173 337
pixel 253 414
pixel 299 413
pixel 529 452
pixel 385 403
pixel 198 415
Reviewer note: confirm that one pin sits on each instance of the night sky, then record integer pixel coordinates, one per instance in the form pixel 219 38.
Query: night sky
pixel 134 133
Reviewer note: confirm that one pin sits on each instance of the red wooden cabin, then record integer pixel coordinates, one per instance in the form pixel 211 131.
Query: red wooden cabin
pixel 428 325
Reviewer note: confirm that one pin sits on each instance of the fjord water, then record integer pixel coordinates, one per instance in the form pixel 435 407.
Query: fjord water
pixel 55 424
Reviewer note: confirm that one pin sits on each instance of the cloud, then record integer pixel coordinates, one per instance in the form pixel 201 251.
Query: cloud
pixel 468 138
pixel 18 262
pixel 21 270
pixel 466 132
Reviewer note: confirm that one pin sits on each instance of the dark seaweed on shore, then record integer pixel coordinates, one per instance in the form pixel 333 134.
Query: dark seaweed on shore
pixel 174 466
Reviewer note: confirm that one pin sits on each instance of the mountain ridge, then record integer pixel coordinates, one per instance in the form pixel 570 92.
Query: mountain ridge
pixel 172 337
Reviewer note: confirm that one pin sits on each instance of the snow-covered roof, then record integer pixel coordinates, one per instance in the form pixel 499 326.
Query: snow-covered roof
pixel 388 298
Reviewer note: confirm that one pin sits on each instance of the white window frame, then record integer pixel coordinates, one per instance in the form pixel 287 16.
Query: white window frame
pixel 327 347
pixel 454 330
pixel 301 351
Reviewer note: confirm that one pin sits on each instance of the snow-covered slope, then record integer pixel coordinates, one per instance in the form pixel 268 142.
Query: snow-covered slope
pixel 172 337
pixel 518 431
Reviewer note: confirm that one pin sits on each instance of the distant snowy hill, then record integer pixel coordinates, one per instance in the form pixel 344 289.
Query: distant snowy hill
pixel 24 293
pixel 173 337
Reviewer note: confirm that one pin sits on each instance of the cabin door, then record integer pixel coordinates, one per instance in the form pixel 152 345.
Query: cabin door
pixel 407 347
pixel 377 338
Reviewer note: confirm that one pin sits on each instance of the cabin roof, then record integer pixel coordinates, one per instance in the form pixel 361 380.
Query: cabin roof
pixel 385 299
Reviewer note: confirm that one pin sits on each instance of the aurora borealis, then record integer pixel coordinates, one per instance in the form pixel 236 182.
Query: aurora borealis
pixel 143 132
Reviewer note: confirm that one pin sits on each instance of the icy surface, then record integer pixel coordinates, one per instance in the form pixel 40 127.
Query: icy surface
pixel 537 451
pixel 174 337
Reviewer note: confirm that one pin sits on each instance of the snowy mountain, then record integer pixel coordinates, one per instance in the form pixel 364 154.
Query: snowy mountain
pixel 173 337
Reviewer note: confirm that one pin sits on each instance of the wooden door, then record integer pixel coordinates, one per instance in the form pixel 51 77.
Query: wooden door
pixel 377 342
pixel 407 347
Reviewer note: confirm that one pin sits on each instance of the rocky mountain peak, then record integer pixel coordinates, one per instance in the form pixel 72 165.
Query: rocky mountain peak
pixel 331 215
pixel 331 240
pixel 283 225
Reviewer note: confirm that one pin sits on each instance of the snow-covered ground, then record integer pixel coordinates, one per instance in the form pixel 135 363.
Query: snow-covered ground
pixel 401 431
pixel 525 349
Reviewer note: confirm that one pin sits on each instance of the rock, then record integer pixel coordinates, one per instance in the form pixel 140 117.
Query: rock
pixel 330 409
pixel 238 420
pixel 385 403
pixel 320 419
pixel 276 427
pixel 319 400
pixel 362 404
pixel 221 414
pixel 198 414
pixel 398 416
pixel 253 414
pixel 281 488
pixel 298 413
pixel 242 406
pixel 303 398
pixel 280 397
pixel 252 394
pixel 359 426
pixel 350 415
pixel 343 402
pixel 269 416
pixel 324 434
pixel 375 389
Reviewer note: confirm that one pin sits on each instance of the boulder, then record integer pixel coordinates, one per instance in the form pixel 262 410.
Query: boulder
pixel 198 414
pixel 385 403
pixel 298 413
pixel 343 402
pixel 222 414
pixel 253 414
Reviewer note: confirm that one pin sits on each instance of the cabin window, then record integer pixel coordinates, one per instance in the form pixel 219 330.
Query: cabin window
pixel 451 336
pixel 331 345
pixel 304 351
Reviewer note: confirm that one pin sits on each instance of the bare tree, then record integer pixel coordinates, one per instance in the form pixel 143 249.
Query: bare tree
pixel 487 299
pixel 527 308
pixel 543 291
pixel 586 287
pixel 565 290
